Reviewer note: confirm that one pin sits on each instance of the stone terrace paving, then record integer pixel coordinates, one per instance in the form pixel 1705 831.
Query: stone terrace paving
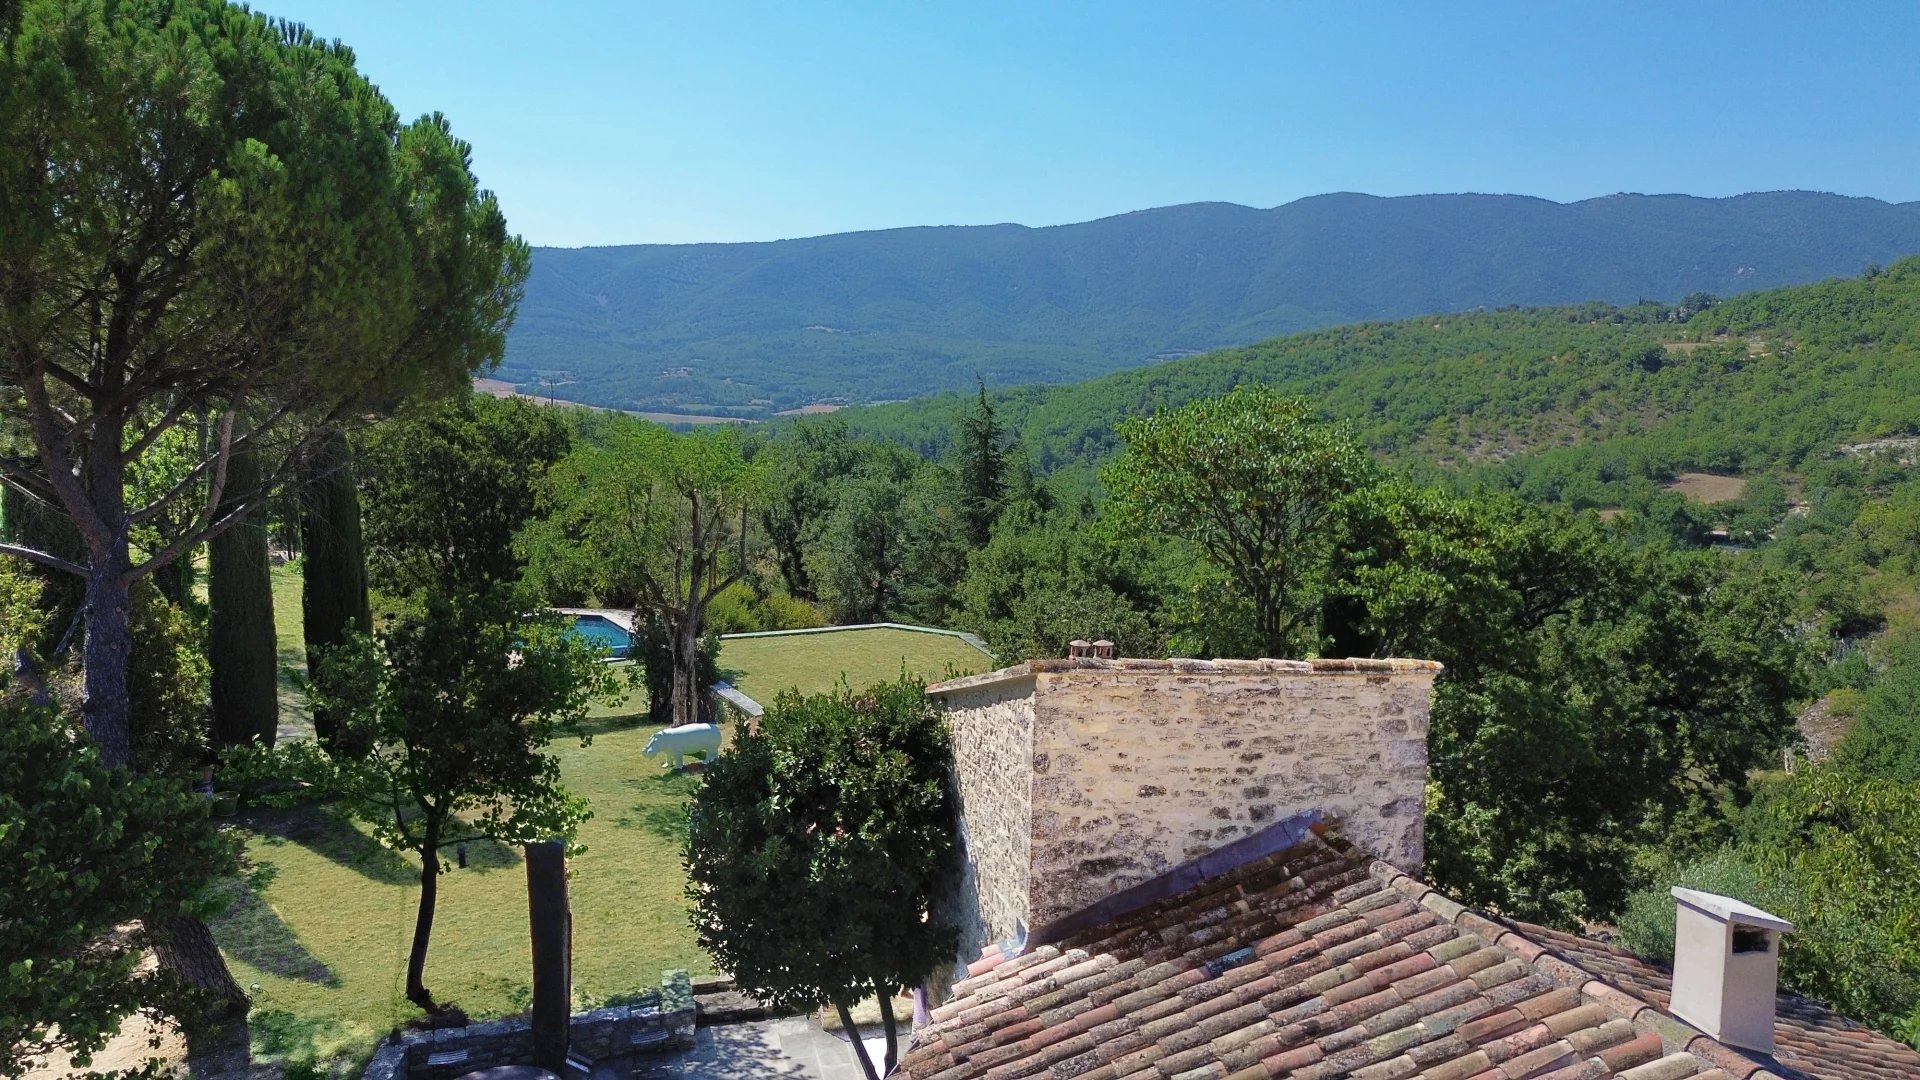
pixel 1319 963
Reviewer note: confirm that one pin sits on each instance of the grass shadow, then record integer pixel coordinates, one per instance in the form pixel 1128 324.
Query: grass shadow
pixel 485 855
pixel 250 929
pixel 325 834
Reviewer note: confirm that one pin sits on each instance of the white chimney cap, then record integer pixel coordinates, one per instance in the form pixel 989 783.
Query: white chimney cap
pixel 1727 909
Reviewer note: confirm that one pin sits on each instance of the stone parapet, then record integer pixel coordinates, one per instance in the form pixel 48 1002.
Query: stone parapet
pixel 656 1021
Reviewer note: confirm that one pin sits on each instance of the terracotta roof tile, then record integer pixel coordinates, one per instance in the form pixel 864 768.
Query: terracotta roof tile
pixel 1314 963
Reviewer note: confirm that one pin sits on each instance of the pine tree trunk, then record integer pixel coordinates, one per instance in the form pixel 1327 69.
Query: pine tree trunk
pixel 240 635
pixel 333 593
pixel 417 991
pixel 186 947
pixel 109 646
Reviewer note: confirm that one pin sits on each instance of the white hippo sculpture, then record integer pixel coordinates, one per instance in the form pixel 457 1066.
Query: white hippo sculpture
pixel 683 740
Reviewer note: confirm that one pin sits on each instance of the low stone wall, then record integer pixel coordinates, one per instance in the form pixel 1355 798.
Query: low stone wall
pixel 661 1020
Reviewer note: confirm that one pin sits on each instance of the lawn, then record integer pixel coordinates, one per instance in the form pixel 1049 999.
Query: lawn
pixel 321 932
pixel 762 667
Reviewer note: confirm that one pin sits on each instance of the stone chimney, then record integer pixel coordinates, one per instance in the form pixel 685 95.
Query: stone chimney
pixel 1084 778
pixel 1726 968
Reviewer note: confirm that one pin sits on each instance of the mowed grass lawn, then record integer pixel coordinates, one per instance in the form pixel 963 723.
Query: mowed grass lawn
pixel 321 933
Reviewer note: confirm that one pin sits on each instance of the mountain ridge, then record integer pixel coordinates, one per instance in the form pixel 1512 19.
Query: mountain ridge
pixel 748 329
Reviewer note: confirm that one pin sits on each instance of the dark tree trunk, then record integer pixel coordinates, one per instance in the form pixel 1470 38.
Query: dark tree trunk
pixel 417 991
pixel 686 671
pixel 853 1036
pixel 333 592
pixel 240 636
pixel 885 995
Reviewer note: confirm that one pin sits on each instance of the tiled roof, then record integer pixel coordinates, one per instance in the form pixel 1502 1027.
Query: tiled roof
pixel 1312 963
pixel 1810 1039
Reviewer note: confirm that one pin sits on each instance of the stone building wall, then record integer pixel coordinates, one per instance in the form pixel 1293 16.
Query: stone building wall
pixel 992 728
pixel 1137 766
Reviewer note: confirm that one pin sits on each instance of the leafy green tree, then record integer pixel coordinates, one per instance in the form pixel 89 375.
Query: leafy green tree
pixel 241 641
pixel 817 848
pixel 806 468
pixel 93 854
pixel 982 469
pixel 1255 483
pixel 864 548
pixel 1598 699
pixel 1885 741
pixel 654 521
pixel 456 706
pixel 445 492
pixel 211 217
pixel 1044 580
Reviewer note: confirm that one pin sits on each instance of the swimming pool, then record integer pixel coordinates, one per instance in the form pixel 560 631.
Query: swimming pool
pixel 604 632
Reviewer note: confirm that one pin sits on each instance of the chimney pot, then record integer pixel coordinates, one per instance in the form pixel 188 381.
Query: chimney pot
pixel 1078 649
pixel 1103 649
pixel 1726 967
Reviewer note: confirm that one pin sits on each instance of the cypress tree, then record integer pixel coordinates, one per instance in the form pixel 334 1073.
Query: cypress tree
pixel 983 470
pixel 333 591
pixel 246 702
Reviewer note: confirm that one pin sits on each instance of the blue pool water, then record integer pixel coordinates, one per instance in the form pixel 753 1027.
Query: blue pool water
pixel 605 633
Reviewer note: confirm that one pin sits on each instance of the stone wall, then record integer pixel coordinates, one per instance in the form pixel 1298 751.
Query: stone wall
pixel 612 1037
pixel 992 727
pixel 1134 767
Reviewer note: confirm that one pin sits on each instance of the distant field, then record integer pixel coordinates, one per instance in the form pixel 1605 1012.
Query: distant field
pixel 812 663
pixel 1708 487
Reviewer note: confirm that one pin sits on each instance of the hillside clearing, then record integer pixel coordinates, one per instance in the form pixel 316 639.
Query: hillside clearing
pixel 1707 487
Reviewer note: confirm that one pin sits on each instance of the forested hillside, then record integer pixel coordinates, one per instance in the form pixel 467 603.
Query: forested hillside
pixel 1580 404
pixel 748 329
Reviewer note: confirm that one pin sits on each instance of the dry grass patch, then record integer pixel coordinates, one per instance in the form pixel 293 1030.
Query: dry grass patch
pixel 1707 487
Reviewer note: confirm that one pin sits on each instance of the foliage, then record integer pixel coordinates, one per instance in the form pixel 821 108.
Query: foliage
pixel 750 606
pixel 456 707
pixel 446 491
pixel 22 619
pixel 653 521
pixel 1252 482
pixel 1885 741
pixel 89 850
pixel 817 849
pixel 170 679
pixel 1833 853
pixel 211 216
pixel 333 579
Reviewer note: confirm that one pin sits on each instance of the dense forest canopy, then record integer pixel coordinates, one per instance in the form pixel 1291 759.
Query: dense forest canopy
pixel 751 329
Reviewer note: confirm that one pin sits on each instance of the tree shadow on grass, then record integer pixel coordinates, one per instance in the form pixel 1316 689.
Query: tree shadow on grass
pixel 326 834
pixel 250 929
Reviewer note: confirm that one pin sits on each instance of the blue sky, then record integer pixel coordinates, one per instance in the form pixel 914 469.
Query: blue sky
pixel 627 122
